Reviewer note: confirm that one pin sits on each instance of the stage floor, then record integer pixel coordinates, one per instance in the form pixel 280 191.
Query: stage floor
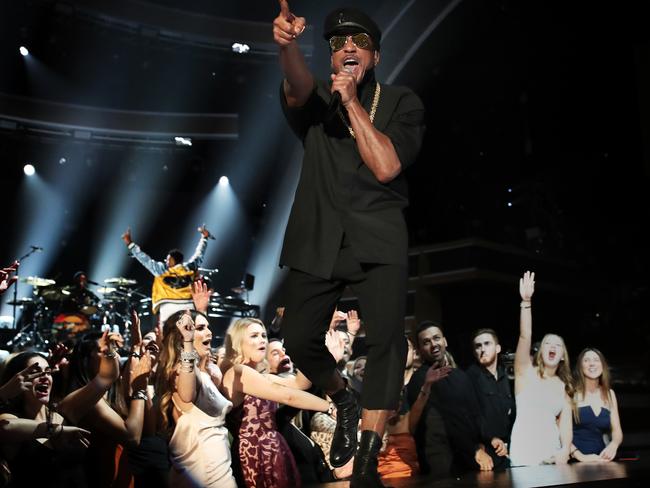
pixel 606 475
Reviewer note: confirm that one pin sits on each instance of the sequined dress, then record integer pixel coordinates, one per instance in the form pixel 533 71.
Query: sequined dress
pixel 262 454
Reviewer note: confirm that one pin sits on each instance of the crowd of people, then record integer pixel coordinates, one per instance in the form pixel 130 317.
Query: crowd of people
pixel 172 411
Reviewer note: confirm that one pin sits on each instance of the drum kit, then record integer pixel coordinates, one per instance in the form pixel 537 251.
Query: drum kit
pixel 61 313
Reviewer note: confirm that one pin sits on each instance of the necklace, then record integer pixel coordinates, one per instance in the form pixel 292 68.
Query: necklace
pixel 373 111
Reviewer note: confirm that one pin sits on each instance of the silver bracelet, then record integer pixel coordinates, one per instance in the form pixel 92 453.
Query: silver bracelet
pixel 187 367
pixel 189 356
pixel 139 395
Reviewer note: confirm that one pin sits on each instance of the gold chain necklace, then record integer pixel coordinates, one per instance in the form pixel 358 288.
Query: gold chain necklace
pixel 373 110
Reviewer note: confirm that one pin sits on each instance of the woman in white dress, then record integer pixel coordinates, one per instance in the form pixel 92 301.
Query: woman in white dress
pixel 192 409
pixel 542 431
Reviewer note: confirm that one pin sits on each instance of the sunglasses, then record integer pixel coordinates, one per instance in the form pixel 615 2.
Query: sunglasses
pixel 361 40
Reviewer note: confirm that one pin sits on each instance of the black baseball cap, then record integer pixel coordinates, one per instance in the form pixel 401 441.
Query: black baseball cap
pixel 345 20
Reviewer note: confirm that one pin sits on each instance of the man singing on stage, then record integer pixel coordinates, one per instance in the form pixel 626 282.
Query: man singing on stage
pixel 346 226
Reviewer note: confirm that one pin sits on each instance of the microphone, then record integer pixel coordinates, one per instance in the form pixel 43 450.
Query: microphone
pixel 92 282
pixel 209 236
pixel 36 248
pixel 335 100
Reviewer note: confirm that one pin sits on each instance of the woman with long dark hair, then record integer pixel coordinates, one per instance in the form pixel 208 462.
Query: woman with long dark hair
pixel 191 408
pixel 117 419
pixel 38 438
pixel 596 410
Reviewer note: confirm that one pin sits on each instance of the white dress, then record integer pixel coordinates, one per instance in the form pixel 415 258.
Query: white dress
pixel 199 448
pixel 535 435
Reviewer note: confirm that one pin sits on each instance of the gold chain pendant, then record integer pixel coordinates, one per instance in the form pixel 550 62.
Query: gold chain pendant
pixel 373 110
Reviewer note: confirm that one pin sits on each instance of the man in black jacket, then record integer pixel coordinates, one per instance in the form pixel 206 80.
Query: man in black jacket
pixel 346 226
pixel 493 390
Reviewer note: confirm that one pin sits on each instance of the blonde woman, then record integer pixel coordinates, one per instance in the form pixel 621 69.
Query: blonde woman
pixel 263 455
pixel 543 389
pixel 596 413
pixel 192 409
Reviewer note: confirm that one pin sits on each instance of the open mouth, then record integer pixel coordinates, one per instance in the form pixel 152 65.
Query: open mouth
pixel 551 355
pixel 206 342
pixel 351 64
pixel 42 389
pixel 285 363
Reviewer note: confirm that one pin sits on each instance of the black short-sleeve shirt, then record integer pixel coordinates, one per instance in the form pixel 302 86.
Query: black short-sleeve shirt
pixel 337 193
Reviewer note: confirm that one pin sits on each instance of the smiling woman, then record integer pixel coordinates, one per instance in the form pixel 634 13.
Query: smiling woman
pixel 262 456
pixel 596 413
pixel 33 433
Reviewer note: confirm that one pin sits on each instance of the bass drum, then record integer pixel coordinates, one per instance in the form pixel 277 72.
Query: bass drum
pixel 69 326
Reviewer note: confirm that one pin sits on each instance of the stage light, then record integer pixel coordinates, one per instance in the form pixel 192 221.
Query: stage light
pixel 509 204
pixel 62 161
pixel 240 48
pixel 183 141
pixel 29 169
pixel 223 181
pixel 24 51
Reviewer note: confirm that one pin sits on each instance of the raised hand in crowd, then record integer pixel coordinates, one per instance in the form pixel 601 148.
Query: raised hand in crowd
pixel 335 344
pixel 20 382
pixel 135 331
pixel 436 374
pixel 353 323
pixel 337 317
pixel 527 286
pixel 58 356
pixel 6 280
pixel 140 366
pixel 201 295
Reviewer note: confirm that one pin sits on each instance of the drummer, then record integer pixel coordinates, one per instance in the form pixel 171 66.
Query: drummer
pixel 172 284
pixel 83 299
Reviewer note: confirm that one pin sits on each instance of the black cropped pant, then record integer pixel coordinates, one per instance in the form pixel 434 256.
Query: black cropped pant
pixel 309 304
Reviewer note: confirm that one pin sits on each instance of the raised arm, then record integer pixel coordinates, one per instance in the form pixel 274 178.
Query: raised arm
pixel 79 402
pixel 418 405
pixel 154 267
pixel 298 80
pixel 522 354
pixel 244 379
pixel 186 380
pixel 197 258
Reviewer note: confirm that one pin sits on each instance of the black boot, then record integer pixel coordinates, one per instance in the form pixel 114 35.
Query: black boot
pixel 344 442
pixel 364 473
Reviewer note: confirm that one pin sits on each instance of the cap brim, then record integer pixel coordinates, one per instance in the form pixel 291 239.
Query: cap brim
pixel 346 28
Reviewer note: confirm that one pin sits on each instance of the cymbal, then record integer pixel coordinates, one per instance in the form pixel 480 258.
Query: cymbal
pixel 37 281
pixel 21 301
pixel 105 290
pixel 119 281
